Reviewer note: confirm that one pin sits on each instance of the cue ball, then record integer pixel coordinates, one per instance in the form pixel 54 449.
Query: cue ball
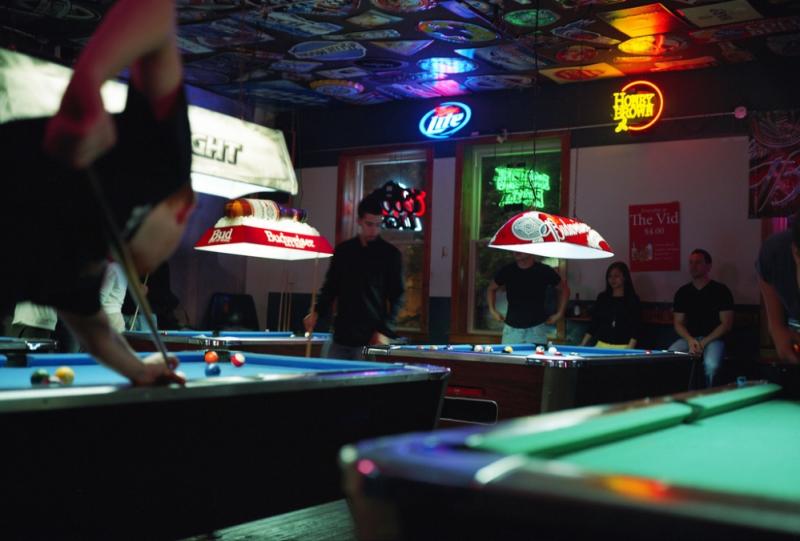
pixel 40 376
pixel 237 359
pixel 552 350
pixel 65 375
pixel 478 349
pixel 211 356
pixel 213 369
pixel 508 349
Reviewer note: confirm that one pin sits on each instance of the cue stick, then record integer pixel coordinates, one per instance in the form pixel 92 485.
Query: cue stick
pixel 310 335
pixel 121 254
pixel 136 312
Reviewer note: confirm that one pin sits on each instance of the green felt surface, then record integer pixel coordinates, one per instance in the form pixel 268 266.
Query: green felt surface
pixel 754 450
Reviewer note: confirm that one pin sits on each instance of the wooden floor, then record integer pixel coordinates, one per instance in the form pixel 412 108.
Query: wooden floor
pixel 326 522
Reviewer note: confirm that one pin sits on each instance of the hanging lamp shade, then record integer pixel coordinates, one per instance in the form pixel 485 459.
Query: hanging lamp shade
pixel 548 235
pixel 262 228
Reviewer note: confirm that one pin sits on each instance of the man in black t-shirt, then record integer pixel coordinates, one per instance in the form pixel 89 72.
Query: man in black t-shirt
pixel 365 281
pixel 703 315
pixel 779 281
pixel 525 282
pixel 49 215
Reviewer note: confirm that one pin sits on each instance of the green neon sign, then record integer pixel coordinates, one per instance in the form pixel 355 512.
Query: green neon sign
pixel 521 186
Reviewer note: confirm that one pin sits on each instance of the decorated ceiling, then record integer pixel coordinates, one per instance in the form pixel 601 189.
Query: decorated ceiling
pixel 285 54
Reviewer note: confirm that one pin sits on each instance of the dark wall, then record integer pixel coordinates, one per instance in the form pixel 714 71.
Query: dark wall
pixel 712 93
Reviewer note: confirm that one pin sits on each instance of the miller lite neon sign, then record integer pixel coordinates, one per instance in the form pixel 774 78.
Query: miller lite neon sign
pixel 637 106
pixel 444 120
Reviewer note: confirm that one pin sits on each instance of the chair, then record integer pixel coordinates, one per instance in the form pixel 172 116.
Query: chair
pixel 231 312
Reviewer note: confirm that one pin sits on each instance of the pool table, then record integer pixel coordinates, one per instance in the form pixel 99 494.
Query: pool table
pixel 275 343
pixel 490 384
pixel 719 464
pixel 102 460
pixel 15 350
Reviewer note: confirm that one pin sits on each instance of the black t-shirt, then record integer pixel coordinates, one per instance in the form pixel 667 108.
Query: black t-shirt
pixel 367 284
pixel 776 267
pixel 525 292
pixel 50 224
pixel 702 306
pixel 615 320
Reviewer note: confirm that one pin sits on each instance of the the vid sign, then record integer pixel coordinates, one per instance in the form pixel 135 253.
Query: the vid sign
pixel 444 120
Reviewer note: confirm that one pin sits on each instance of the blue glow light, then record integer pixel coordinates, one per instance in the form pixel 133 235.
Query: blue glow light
pixel 447 65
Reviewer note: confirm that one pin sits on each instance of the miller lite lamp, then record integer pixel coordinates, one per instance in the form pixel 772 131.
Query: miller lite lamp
pixel 263 228
pixel 548 235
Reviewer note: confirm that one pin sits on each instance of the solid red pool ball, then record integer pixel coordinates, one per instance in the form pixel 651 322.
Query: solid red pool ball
pixel 211 356
pixel 237 359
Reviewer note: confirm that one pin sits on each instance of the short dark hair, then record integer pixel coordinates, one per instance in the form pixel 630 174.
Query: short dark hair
pixel 703 253
pixel 796 229
pixel 369 205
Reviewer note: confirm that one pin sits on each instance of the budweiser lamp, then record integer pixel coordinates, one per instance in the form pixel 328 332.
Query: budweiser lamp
pixel 262 228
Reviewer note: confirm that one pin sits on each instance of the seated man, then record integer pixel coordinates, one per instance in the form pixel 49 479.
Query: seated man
pixel 702 315
pixel 779 281
pixel 49 216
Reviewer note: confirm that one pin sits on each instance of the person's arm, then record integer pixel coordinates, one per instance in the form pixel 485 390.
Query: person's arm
pixel 136 33
pixel 491 300
pixel 783 337
pixel 110 348
pixel 327 296
pixel 679 323
pixel 724 327
pixel 563 299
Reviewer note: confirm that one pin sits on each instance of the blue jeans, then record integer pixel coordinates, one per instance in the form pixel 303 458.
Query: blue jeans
pixel 537 334
pixel 332 350
pixel 712 356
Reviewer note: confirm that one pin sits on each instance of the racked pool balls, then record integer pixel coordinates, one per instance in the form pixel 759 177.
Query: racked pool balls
pixel 237 359
pixel 213 369
pixel 211 356
pixel 65 375
pixel 40 376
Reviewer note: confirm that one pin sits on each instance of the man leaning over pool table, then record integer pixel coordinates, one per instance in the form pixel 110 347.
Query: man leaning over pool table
pixel 151 199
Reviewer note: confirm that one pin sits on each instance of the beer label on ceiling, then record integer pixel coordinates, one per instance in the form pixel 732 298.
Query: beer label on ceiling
pixel 576 53
pixel 531 17
pixel 747 30
pixel 329 52
pixel 287 23
pixel 337 88
pixel 576 31
pixel 343 73
pixel 404 6
pixel 206 38
pixel 329 8
pixel 399 76
pixel 372 18
pixel 460 9
pixel 734 11
pixel 380 64
pixel 403 47
pixel 786 45
pixel 457 32
pixel 653 45
pixel 576 74
pixel 507 56
pixel 365 98
pixel 686 64
pixel 269 91
pixel 576 4
pixel 296 66
pixel 387 33
pixel 432 89
pixel 497 82
pixel 647 20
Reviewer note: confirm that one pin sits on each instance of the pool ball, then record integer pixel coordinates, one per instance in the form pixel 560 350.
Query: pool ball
pixel 552 350
pixel 508 349
pixel 539 349
pixel 211 356
pixel 65 375
pixel 796 347
pixel 40 376
pixel 237 359
pixel 213 369
pixel 478 349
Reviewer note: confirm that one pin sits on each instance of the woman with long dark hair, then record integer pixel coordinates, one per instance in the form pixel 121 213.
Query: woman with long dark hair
pixel 617 314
